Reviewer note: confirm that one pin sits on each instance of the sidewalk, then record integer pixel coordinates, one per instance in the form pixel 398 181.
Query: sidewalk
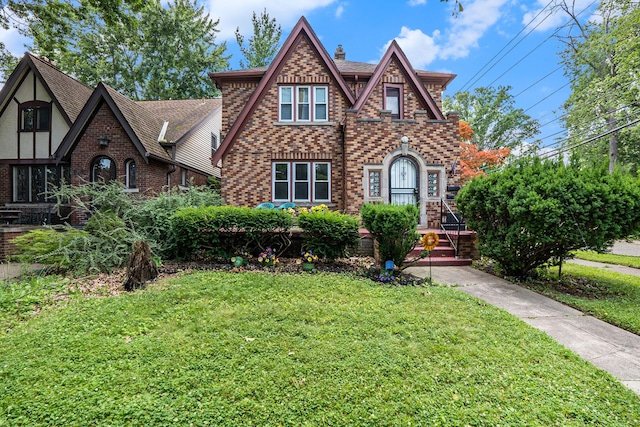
pixel 609 348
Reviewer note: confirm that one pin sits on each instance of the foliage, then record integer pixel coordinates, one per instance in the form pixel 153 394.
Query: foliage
pixel 394 228
pixel 328 234
pixel 601 60
pixel 264 43
pixel 308 256
pixel 153 217
pixel 8 63
pixel 533 212
pixel 466 133
pixel 46 246
pixel 117 220
pixel 495 121
pixel 257 349
pixel 221 230
pixel 145 51
pixel 474 162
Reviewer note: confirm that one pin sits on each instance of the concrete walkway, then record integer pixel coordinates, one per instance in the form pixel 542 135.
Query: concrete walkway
pixel 607 347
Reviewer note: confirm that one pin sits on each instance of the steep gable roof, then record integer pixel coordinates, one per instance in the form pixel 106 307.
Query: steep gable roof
pixel 394 52
pixel 141 125
pixel 301 29
pixel 67 93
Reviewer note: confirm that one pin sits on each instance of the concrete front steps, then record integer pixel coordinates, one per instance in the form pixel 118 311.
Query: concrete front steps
pixel 442 256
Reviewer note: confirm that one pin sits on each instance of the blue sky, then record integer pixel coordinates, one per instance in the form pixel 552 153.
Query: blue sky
pixel 431 37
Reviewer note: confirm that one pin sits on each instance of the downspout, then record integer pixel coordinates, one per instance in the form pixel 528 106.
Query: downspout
pixel 344 166
pixel 173 168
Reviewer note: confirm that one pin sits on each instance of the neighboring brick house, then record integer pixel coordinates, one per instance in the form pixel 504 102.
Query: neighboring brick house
pixel 53 127
pixel 312 129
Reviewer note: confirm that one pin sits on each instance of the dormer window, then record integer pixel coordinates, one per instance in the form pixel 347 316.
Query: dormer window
pixel 35 116
pixel 303 104
pixel 393 100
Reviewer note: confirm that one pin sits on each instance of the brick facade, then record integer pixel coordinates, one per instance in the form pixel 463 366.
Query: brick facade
pixel 352 140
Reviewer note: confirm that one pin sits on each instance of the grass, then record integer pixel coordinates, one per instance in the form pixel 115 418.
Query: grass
pixel 629 261
pixel 605 294
pixel 254 349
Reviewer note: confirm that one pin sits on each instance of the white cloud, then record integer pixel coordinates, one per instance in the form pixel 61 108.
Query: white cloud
pixel 238 13
pixel 339 11
pixel 13 41
pixel 417 2
pixel 469 26
pixel 420 48
pixel 545 19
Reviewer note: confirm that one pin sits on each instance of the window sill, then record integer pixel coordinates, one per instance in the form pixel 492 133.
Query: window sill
pixel 130 190
pixel 304 123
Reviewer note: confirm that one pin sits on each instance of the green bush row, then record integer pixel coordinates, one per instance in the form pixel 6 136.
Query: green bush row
pixel 329 234
pixel 222 230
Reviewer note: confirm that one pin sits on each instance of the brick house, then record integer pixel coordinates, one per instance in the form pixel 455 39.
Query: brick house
pixel 53 127
pixel 313 129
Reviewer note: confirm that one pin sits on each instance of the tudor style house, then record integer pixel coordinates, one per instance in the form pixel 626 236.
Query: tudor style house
pixel 54 128
pixel 313 129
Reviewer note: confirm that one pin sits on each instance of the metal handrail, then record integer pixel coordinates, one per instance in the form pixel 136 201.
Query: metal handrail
pixel 458 222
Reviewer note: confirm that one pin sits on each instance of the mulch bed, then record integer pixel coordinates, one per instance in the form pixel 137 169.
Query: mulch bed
pixel 112 284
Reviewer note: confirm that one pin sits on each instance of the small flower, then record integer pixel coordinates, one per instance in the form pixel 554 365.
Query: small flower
pixel 309 256
pixel 268 258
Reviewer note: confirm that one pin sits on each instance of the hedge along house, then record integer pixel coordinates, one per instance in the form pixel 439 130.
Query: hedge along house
pixel 54 128
pixel 312 129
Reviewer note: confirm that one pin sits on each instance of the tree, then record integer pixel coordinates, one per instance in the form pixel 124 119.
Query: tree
pixel 8 63
pixel 533 212
pixel 263 45
pixel 474 162
pixel 495 121
pixel 145 52
pixel 601 59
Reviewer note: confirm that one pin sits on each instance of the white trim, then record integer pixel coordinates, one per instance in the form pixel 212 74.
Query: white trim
pixel 291 103
pixel 325 103
pixel 295 181
pixel 300 104
pixel 127 175
pixel 328 181
pixel 273 181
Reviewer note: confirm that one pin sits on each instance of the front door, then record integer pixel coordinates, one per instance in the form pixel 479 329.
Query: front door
pixel 403 182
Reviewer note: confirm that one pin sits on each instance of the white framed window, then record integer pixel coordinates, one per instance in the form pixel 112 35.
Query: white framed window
pixel 322 182
pixel 286 104
pixel 303 104
pixel 393 100
pixel 280 182
pixel 320 111
pixel 183 178
pixel 301 182
pixel 130 174
pixel 214 144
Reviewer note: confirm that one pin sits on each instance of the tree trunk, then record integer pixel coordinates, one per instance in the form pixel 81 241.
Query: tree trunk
pixel 140 267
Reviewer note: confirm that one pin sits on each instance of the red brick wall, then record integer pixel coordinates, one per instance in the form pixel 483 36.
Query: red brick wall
pixel 5 183
pixel 368 137
pixel 246 171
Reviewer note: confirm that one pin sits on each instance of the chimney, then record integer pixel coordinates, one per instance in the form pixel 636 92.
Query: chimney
pixel 339 54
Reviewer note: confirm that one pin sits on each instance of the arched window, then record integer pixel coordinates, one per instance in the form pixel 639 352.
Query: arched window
pixel 103 169
pixel 130 178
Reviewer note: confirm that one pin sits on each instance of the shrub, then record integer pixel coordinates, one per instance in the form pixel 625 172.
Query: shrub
pixel 152 218
pixel 48 246
pixel 222 230
pixel 394 228
pixel 327 233
pixel 535 212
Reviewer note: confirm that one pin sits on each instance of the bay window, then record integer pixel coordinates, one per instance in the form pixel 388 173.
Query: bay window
pixel 303 104
pixel 301 182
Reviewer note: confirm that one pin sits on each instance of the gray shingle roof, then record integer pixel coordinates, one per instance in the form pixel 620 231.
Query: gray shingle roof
pixel 70 93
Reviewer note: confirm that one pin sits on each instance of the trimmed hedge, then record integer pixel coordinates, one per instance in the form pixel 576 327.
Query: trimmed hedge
pixel 223 230
pixel 394 228
pixel 329 234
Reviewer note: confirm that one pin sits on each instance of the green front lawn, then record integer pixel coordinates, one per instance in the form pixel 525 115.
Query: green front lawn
pixel 296 350
pixel 605 294
pixel 629 261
